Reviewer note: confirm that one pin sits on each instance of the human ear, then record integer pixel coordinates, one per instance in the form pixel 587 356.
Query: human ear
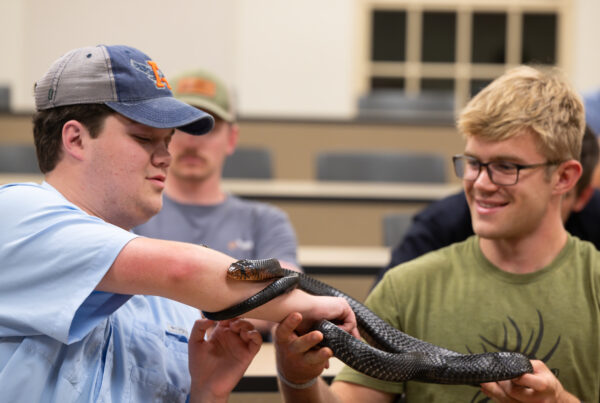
pixel 73 133
pixel 232 138
pixel 569 173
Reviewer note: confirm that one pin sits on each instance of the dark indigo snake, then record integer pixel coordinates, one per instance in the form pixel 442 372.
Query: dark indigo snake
pixel 391 355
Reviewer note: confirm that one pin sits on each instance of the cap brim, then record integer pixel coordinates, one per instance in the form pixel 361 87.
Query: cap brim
pixel 165 113
pixel 208 106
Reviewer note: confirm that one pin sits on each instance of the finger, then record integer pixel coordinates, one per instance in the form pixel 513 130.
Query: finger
pixel 318 357
pixel 205 323
pixel 239 325
pixel 518 392
pixel 305 342
pixel 493 390
pixel 199 329
pixel 284 332
pixel 252 336
pixel 349 322
pixel 539 379
pixel 248 335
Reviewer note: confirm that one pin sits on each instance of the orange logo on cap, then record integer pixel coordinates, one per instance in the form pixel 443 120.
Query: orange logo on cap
pixel 159 80
pixel 196 86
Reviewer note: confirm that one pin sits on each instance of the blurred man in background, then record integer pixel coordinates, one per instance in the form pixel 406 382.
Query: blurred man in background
pixel 196 209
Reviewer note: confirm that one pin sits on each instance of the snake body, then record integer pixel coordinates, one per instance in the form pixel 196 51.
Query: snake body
pixel 390 354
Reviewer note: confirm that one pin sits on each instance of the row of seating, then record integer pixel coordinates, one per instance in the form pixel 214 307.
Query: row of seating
pixel 18 158
pixel 364 166
pixel 256 163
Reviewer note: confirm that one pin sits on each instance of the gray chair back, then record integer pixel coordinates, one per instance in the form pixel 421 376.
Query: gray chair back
pixel 394 227
pixel 249 163
pixel 381 166
pixel 18 158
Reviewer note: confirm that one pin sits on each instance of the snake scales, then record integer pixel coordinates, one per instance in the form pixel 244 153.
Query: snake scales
pixel 390 354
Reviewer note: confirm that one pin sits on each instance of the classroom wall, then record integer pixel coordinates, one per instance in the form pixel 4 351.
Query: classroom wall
pixel 287 59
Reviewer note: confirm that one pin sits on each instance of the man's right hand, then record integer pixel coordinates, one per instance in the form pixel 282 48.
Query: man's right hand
pixel 298 358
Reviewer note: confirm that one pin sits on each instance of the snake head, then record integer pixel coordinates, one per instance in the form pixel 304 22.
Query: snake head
pixel 259 270
pixel 240 270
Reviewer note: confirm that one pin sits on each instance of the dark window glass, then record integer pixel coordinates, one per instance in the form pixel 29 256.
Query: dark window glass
pixel 539 38
pixel 489 38
pixel 389 35
pixel 439 37
pixel 478 85
pixel 387 83
pixel 437 84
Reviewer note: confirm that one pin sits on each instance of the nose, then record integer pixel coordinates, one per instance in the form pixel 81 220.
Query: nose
pixel 161 156
pixel 484 180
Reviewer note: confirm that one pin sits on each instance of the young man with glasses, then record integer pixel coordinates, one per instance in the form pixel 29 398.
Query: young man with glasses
pixel 433 228
pixel 522 283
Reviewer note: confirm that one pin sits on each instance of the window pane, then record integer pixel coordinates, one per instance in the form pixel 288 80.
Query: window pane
pixel 539 38
pixel 478 85
pixel 439 37
pixel 437 84
pixel 389 35
pixel 378 83
pixel 489 38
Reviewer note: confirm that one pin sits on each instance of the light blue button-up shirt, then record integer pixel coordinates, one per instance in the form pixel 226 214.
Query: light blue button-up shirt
pixel 61 341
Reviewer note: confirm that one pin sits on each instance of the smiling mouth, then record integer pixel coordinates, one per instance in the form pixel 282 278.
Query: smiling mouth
pixel 489 205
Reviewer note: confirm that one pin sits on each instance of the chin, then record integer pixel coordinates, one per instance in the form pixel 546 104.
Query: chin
pixel 148 211
pixel 485 231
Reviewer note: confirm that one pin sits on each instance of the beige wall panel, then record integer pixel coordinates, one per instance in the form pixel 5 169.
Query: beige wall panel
pixel 295 145
pixel 341 223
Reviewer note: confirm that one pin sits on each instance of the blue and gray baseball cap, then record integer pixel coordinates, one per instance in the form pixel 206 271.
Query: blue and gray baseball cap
pixel 124 79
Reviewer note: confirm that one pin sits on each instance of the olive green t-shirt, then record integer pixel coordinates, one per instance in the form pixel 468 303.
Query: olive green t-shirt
pixel 455 298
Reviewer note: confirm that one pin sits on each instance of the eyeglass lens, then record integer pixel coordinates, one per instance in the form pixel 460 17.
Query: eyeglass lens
pixel 500 173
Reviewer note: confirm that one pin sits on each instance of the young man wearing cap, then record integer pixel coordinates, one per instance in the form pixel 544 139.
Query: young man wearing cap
pixel 71 325
pixel 195 208
pixel 522 283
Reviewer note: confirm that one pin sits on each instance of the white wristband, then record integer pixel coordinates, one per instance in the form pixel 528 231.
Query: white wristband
pixel 296 385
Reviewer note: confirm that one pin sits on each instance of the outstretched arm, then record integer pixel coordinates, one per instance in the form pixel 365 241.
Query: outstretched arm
pixel 197 276
pixel 541 386
pixel 218 362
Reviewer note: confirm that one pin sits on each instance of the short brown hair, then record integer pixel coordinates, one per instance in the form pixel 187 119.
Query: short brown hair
pixel 48 125
pixel 590 151
pixel 526 99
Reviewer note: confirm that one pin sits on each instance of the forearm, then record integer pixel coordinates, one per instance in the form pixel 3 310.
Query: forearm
pixel 191 274
pixel 195 276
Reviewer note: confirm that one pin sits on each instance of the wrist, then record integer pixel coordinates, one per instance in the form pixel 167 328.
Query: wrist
pixel 294 385
pixel 205 396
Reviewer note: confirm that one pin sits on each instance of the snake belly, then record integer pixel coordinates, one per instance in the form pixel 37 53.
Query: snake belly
pixel 389 354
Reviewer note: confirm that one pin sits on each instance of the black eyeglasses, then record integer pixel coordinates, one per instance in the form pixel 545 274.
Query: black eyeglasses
pixel 501 173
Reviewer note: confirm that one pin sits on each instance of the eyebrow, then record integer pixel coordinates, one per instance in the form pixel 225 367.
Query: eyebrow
pixel 498 158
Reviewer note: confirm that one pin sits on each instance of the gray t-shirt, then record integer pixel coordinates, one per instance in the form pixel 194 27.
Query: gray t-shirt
pixel 243 229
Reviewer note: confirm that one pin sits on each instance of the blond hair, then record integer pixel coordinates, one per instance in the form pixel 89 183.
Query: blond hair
pixel 527 99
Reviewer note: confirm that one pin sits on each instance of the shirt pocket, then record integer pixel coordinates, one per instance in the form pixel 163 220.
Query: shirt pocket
pixel 159 370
